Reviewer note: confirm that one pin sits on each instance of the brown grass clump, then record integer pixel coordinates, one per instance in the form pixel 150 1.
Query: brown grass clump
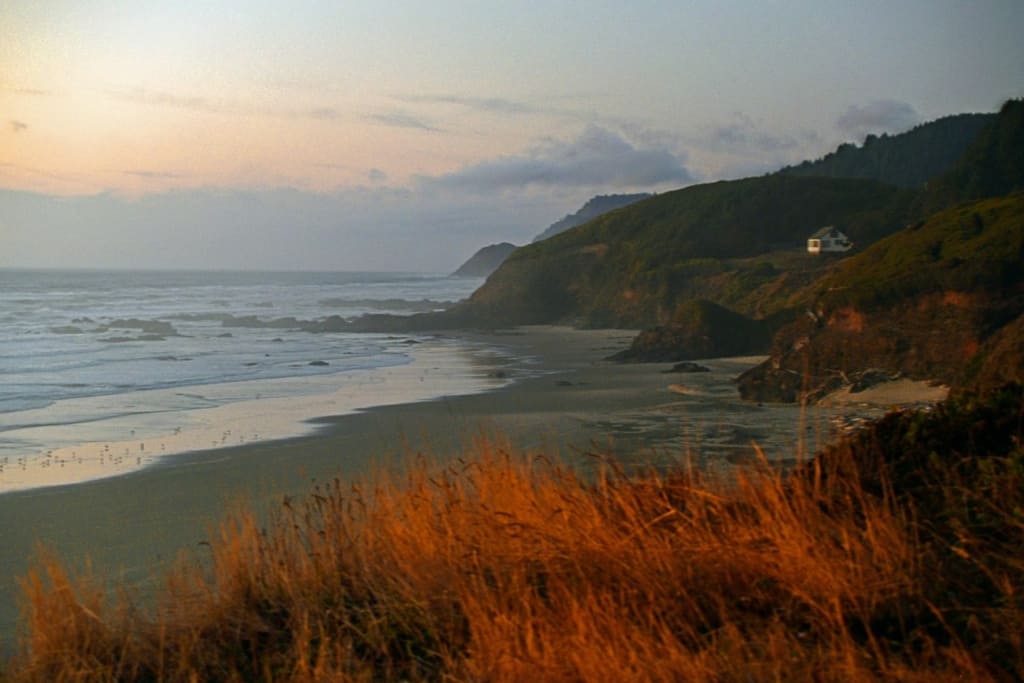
pixel 506 567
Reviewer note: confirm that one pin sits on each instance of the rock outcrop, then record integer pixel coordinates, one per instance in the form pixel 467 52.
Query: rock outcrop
pixel 702 329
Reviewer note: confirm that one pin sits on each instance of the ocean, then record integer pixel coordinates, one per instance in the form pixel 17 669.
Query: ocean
pixel 103 372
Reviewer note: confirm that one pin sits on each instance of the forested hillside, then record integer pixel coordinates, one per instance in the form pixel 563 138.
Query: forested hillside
pixel 907 159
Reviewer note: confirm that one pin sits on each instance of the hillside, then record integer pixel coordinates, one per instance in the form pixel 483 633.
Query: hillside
pixel 485 261
pixel 928 302
pixel 695 265
pixel 595 206
pixel 941 299
pixel 908 159
pixel 720 241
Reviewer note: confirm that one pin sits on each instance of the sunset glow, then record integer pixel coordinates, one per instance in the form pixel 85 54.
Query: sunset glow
pixel 140 98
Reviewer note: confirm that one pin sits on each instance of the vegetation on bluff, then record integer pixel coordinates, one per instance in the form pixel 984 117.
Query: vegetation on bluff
pixel 923 302
pixel 974 248
pixel 893 556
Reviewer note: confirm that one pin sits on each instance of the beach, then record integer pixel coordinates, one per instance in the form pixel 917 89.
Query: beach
pixel 551 391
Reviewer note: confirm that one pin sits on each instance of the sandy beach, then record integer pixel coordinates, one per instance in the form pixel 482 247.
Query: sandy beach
pixel 555 393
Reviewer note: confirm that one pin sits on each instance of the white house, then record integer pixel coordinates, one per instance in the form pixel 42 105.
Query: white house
pixel 828 239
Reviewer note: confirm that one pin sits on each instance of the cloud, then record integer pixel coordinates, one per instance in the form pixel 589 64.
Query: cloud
pixel 18 126
pixel 743 133
pixel 166 99
pixel 879 116
pixel 494 105
pixel 324 114
pixel 597 158
pixel 161 98
pixel 163 175
pixel 375 175
pixel 36 92
pixel 401 119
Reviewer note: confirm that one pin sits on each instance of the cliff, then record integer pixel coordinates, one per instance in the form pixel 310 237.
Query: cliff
pixel 928 302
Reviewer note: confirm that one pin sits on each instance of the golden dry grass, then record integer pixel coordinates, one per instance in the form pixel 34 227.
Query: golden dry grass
pixel 510 567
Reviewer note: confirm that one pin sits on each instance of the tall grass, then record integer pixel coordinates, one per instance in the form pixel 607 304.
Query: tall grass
pixel 506 566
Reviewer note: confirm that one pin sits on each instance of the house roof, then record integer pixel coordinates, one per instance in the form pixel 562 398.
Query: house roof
pixel 827 231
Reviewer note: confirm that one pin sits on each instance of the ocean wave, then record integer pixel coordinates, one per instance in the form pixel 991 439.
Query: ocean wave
pixel 411 305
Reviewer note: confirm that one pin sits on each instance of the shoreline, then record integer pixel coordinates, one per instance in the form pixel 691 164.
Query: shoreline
pixel 560 396
pixel 278 409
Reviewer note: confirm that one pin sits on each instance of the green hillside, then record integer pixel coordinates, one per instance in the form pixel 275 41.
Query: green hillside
pixel 634 267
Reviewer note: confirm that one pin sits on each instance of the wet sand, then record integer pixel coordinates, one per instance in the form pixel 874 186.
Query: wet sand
pixel 563 398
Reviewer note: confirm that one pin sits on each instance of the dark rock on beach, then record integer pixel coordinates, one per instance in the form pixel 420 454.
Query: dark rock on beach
pixel 688 367
pixel 702 329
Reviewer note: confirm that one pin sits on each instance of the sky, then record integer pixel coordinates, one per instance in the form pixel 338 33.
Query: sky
pixel 317 135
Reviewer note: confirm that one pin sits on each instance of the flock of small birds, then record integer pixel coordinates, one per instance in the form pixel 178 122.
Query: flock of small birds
pixel 107 455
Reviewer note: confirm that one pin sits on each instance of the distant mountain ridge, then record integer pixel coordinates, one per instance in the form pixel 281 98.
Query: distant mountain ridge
pixel 485 261
pixel 907 159
pixel 596 206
